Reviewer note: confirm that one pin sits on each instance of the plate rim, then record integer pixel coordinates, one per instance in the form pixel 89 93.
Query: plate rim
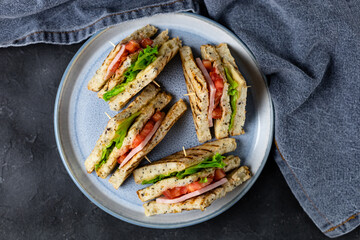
pixel 157 225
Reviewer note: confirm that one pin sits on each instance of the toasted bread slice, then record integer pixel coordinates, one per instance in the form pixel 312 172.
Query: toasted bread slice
pixel 229 62
pixel 166 52
pixel 119 77
pixel 221 126
pixel 198 94
pixel 109 133
pixel 235 178
pixel 175 112
pixel 98 81
pixel 156 104
pixel 178 161
pixel 158 188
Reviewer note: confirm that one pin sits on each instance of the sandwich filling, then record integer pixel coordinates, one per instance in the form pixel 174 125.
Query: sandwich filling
pixel 146 56
pixel 215 161
pixel 213 78
pixel 142 138
pixel 118 140
pixel 234 95
pixel 128 48
pixel 179 194
pixel 212 75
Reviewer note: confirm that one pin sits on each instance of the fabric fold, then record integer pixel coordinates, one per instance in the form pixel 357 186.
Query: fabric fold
pixel 69 22
pixel 308 52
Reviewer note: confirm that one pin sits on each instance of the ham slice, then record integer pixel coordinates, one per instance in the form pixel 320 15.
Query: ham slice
pixel 211 88
pixel 115 63
pixel 192 194
pixel 142 144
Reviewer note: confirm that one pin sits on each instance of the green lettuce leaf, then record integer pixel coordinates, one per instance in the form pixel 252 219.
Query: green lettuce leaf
pixel 105 155
pixel 144 59
pixel 118 140
pixel 234 94
pixel 123 129
pixel 215 161
pixel 158 178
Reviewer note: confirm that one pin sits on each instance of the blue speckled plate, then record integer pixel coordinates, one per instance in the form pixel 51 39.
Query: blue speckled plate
pixel 80 119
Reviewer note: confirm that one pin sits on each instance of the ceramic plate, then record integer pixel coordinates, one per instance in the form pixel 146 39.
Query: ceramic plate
pixel 80 118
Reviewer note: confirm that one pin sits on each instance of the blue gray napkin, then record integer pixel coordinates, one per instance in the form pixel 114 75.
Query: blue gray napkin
pixel 310 53
pixel 23 22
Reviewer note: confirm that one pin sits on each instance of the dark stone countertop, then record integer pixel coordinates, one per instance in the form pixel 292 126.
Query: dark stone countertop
pixel 38 200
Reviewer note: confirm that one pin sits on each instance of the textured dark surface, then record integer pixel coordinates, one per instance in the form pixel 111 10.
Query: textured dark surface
pixel 38 200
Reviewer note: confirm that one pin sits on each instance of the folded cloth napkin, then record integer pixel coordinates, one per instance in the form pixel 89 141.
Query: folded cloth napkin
pixel 309 51
pixel 70 21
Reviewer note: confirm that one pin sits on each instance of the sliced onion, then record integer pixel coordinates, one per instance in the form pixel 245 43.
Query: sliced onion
pixel 211 88
pixel 142 144
pixel 115 63
pixel 192 194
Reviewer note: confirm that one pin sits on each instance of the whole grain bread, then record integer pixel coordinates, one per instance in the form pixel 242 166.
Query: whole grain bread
pixel 109 133
pixel 235 178
pixel 198 94
pixel 158 188
pixel 178 161
pixel 229 62
pixel 221 126
pixel 173 115
pixel 156 104
pixel 166 52
pixel 119 77
pixel 98 81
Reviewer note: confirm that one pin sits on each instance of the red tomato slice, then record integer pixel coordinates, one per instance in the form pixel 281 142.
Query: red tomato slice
pixel 219 84
pixel 147 128
pixel 179 191
pixel 217 113
pixel 146 42
pixel 194 186
pixel 173 192
pixel 121 158
pixel 213 75
pixel 219 174
pixel 207 65
pixel 183 190
pixel 138 139
pixel 157 116
pixel 176 192
pixel 167 193
pixel 132 46
pixel 218 81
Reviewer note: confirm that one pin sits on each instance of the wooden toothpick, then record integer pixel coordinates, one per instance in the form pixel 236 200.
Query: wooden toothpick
pixel 107 115
pixel 112 43
pixel 184 151
pixel 147 159
pixel 156 83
